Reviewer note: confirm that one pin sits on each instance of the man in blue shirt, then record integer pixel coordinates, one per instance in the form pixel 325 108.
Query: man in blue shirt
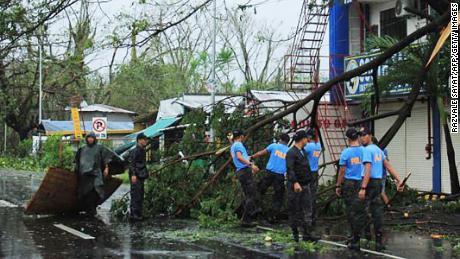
pixel 244 170
pixel 350 175
pixel 313 150
pixel 276 170
pixel 371 187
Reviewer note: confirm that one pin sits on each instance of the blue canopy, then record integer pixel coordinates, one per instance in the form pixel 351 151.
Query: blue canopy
pixel 150 132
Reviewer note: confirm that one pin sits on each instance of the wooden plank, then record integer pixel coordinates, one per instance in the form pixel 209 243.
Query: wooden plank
pixel 57 193
pixel 74 232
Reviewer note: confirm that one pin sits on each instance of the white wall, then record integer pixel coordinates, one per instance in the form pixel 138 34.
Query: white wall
pixel 413 23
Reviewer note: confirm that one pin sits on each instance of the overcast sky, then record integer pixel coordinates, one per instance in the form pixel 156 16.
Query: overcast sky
pixel 280 14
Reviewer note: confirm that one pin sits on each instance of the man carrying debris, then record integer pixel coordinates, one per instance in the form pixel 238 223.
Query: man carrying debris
pixel 313 150
pixel 276 170
pixel 349 183
pixel 138 174
pixel 92 165
pixel 298 187
pixel 371 187
pixel 244 170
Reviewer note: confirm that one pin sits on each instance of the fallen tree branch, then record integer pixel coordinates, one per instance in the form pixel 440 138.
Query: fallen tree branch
pixel 191 157
pixel 377 61
pixel 204 188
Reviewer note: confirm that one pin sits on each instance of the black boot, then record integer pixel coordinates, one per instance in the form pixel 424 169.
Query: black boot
pixel 295 234
pixel 379 241
pixel 367 233
pixel 353 244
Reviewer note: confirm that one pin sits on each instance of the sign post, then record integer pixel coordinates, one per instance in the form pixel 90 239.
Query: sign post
pixel 100 127
pixel 76 123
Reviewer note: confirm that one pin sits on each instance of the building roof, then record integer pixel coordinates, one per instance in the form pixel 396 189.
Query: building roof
pixel 66 127
pixel 273 100
pixel 175 107
pixel 103 108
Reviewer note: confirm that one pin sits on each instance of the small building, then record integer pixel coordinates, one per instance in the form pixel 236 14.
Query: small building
pixel 119 122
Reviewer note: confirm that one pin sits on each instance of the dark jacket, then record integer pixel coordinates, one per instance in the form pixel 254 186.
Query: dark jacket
pixel 298 168
pixel 137 163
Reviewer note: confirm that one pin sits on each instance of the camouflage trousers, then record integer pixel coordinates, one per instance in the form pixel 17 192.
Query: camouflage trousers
pixel 299 207
pixel 355 208
pixel 375 205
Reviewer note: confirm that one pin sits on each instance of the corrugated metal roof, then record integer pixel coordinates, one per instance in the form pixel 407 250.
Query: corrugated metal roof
pixel 104 108
pixel 175 107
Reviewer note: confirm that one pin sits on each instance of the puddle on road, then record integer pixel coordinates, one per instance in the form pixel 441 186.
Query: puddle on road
pixel 36 237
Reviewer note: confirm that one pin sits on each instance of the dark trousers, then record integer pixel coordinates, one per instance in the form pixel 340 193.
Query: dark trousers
pixel 300 208
pixel 89 202
pixel 137 198
pixel 355 208
pixel 313 189
pixel 375 205
pixel 249 189
pixel 277 181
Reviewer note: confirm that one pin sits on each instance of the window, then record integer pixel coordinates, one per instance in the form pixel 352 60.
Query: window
pixel 391 25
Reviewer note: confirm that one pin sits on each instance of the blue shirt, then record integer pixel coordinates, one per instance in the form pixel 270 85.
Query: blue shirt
pixel 313 150
pixel 239 147
pixel 376 156
pixel 353 158
pixel 277 161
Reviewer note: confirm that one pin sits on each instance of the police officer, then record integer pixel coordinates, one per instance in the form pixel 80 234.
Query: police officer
pixel 298 188
pixel 92 166
pixel 313 150
pixel 138 174
pixel 371 187
pixel 348 185
pixel 276 170
pixel 244 170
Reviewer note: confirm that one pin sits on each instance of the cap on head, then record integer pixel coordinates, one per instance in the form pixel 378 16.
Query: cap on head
pixel 238 133
pixel 141 136
pixel 364 131
pixel 299 135
pixel 352 133
pixel 285 138
pixel 311 133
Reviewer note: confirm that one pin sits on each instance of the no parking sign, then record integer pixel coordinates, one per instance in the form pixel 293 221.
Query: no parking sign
pixel 100 127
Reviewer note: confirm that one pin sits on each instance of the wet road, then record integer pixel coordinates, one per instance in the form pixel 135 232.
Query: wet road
pixel 24 236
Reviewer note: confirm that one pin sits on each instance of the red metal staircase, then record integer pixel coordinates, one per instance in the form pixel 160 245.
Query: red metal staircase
pixel 302 64
pixel 302 74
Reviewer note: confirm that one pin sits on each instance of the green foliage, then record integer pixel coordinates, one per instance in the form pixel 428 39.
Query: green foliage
pixel 57 153
pixel 24 148
pixel 405 71
pixel 142 85
pixel 176 185
pixel 28 163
